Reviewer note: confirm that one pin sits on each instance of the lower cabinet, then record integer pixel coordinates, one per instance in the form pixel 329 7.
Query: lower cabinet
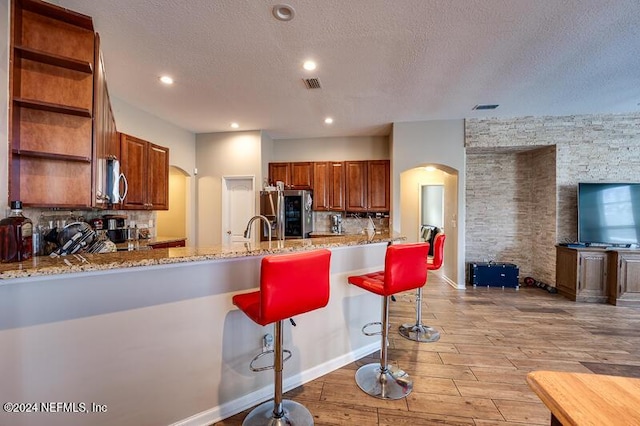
pixel 581 274
pixel 169 244
pixel 624 278
pixel 599 275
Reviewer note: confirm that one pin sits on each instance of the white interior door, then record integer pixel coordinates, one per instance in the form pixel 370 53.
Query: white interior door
pixel 432 205
pixel 238 206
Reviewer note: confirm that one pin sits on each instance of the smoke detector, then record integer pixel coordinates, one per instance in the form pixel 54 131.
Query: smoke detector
pixel 283 12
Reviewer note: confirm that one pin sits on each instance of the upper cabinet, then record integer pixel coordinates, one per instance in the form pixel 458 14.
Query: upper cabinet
pixel 367 186
pixel 378 186
pixel 351 186
pixel 50 106
pixel 105 137
pixel 297 175
pixel 146 167
pixel 328 186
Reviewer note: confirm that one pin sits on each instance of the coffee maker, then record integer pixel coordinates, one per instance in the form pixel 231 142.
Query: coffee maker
pixel 116 226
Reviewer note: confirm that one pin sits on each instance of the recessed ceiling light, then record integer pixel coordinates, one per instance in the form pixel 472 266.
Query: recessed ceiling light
pixel 485 106
pixel 234 125
pixel 283 12
pixel 328 120
pixel 309 65
pixel 166 79
pixel 430 169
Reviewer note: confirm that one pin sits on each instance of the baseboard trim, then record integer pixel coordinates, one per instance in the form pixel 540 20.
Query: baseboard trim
pixel 238 405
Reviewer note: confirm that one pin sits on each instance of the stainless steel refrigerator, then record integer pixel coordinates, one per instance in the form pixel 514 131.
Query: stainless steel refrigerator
pixel 288 211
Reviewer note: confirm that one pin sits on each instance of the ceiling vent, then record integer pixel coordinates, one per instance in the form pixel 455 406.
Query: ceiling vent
pixel 311 83
pixel 485 106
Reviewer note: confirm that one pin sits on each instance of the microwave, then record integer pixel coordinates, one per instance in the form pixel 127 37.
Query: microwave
pixel 117 186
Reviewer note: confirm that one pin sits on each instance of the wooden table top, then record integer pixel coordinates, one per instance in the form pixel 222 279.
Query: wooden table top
pixel 588 399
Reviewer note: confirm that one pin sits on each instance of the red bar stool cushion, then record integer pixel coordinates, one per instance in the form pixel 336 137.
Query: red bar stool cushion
pixel 405 268
pixel 438 253
pixel 290 284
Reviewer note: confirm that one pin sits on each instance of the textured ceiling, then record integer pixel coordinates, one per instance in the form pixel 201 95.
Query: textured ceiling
pixel 378 61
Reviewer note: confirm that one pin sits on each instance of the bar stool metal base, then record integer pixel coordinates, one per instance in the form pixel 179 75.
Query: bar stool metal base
pixel 393 383
pixel 294 415
pixel 419 333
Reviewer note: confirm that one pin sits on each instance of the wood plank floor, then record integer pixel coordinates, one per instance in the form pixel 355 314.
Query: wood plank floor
pixel 475 375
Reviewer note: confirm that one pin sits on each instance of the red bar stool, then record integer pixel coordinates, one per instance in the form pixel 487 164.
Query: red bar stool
pixel 405 268
pixel 290 284
pixel 419 332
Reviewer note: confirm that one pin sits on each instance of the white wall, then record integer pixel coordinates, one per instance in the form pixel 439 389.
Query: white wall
pixel 332 149
pixel 136 122
pixel 218 155
pixel 181 144
pixel 430 142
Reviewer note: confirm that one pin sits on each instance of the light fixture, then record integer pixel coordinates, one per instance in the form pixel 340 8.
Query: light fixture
pixel 234 125
pixel 328 120
pixel 429 169
pixel 309 65
pixel 165 79
pixel 283 12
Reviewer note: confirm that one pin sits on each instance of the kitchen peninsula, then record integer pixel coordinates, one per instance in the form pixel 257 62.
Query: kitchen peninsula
pixel 153 335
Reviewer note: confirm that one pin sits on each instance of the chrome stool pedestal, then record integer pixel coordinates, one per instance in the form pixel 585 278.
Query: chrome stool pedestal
pixel 380 379
pixel 419 332
pixel 278 411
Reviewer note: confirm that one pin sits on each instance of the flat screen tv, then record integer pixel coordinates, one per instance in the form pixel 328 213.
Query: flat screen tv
pixel 609 213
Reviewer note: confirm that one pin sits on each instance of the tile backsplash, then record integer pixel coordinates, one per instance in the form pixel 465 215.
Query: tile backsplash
pixel 351 224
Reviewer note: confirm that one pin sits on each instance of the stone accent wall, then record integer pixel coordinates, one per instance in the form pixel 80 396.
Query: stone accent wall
pixel 498 208
pixel 542 215
pixel 559 153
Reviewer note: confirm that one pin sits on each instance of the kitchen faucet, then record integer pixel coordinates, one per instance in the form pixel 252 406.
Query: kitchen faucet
pixel 247 232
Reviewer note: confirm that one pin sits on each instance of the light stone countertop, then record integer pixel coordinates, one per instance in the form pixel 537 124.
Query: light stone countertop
pixel 45 265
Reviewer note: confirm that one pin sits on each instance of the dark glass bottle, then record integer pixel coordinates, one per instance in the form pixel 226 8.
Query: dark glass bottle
pixel 16 235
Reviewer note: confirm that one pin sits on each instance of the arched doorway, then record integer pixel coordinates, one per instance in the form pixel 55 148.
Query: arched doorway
pixel 413 204
pixel 173 222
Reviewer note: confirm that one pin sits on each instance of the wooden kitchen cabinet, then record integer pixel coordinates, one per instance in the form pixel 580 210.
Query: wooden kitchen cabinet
pixel 328 186
pixel 50 106
pixel 378 176
pixel 106 141
pixel 367 186
pixel 581 274
pixel 298 175
pixel 624 278
pixel 158 178
pixel 356 186
pixel 169 244
pixel 146 168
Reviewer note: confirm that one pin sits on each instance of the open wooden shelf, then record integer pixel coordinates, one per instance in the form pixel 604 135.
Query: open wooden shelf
pixel 56 60
pixel 51 107
pixel 57 12
pixel 51 155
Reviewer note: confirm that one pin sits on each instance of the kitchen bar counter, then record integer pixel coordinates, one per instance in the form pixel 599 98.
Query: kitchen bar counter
pixel 45 265
pixel 153 337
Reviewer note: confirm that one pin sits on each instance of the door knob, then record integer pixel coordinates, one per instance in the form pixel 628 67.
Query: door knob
pixel 229 232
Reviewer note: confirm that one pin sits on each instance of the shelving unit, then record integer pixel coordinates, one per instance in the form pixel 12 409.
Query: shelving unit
pixel 51 106
pixel 51 59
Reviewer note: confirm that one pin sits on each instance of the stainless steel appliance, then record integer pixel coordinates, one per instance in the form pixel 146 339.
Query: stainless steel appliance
pixel 117 230
pixel 288 211
pixel 115 180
